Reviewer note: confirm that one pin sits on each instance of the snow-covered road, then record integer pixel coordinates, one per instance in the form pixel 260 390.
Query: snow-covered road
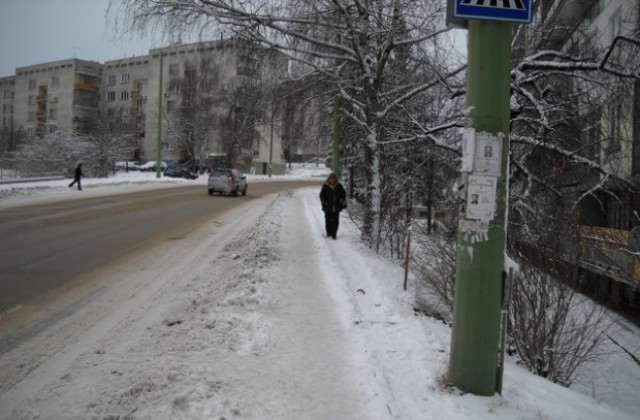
pixel 258 316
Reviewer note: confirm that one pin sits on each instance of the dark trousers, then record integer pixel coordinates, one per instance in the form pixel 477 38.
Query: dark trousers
pixel 74 181
pixel 331 223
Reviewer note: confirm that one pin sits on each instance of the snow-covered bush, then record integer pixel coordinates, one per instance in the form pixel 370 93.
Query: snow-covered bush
pixel 552 329
pixel 54 154
pixel 434 264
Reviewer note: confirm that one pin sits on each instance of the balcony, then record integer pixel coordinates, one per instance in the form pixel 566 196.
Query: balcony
pixel 609 252
pixel 86 86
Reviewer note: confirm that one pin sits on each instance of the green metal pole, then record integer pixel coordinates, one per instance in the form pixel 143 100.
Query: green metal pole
pixel 159 141
pixel 336 137
pixel 475 339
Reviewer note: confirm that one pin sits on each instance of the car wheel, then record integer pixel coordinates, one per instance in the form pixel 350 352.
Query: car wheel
pixel 244 192
pixel 210 192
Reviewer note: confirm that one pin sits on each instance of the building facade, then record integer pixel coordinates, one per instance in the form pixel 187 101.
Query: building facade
pixel 62 95
pixel 604 130
pixel 212 98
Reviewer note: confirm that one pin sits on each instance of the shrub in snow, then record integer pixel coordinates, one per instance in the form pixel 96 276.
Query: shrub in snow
pixel 552 329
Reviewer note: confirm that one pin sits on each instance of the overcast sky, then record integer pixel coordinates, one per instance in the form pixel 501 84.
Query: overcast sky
pixel 39 31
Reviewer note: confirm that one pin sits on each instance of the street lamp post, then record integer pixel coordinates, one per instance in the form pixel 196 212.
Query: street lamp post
pixel 159 141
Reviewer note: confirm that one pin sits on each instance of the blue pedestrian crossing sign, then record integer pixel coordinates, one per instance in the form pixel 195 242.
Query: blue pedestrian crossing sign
pixel 509 10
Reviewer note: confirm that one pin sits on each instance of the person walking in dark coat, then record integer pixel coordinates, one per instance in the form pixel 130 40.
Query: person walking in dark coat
pixel 334 199
pixel 77 175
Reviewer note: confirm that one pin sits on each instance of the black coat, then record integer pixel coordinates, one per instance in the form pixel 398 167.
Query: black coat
pixel 333 198
pixel 78 172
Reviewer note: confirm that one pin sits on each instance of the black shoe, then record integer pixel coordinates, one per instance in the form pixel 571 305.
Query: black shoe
pixel 333 236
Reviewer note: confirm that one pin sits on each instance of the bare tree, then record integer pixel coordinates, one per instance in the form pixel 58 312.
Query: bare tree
pixel 570 157
pixel 107 141
pixel 10 139
pixel 350 43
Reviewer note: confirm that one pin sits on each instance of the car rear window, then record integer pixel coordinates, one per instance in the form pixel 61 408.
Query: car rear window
pixel 218 173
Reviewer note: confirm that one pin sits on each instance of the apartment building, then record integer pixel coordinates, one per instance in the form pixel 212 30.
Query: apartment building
pixel 216 97
pixel 607 127
pixel 61 95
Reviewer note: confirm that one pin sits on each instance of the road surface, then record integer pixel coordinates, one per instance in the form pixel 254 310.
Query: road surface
pixel 52 250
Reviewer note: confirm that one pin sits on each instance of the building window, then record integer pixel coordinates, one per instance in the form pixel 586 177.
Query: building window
pixel 124 111
pixel 32 99
pixel 111 80
pixel 173 86
pixel 53 114
pixel 32 84
pixel 142 89
pixel 615 110
pixel 55 81
pixel 124 79
pixel 4 108
pixel 171 125
pixel 124 95
pixel 171 106
pixel 7 94
pixel 111 96
pixel 31 132
pixel 32 116
pixel 174 69
pixel 4 121
pixel 110 112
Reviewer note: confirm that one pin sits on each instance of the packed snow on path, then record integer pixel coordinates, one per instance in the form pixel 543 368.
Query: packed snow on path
pixel 258 316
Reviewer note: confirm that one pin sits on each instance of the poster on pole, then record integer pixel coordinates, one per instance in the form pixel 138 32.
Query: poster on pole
pixel 481 197
pixel 488 154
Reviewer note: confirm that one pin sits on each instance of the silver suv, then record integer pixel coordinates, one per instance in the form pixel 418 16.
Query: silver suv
pixel 227 181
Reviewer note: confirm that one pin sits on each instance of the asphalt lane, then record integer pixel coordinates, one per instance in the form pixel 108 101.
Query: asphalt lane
pixel 44 247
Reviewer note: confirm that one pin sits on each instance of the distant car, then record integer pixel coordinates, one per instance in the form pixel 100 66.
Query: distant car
pixel 127 166
pixel 151 166
pixel 178 171
pixel 227 181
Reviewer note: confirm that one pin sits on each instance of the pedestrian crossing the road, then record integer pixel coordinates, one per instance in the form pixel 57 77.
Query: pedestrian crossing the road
pixel 499 4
